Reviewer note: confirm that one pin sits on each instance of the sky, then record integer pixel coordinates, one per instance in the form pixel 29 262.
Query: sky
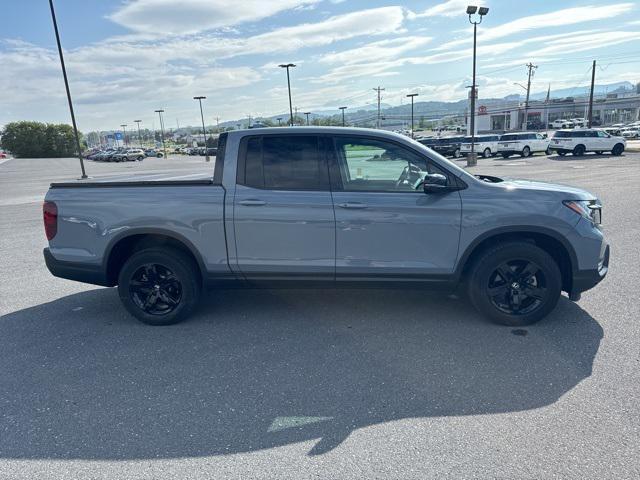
pixel 127 58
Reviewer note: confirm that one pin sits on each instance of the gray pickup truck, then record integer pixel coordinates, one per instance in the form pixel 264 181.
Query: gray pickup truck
pixel 328 207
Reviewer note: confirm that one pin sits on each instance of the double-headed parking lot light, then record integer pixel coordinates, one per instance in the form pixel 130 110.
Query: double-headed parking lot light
pixel 160 112
pixel 482 11
pixel 343 109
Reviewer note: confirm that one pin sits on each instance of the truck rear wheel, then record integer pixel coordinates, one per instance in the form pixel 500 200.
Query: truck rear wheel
pixel 159 286
pixel 515 284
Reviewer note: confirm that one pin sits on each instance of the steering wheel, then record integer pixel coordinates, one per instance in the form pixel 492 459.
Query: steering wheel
pixel 409 174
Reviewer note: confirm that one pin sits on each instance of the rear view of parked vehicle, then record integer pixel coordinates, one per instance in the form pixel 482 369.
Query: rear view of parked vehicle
pixel 445 146
pixel 579 142
pixel 523 144
pixel 485 145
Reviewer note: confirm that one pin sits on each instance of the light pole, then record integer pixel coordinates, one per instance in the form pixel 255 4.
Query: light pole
pixel 164 148
pixel 288 66
pixel 482 11
pixel 279 121
pixel 411 95
pixel 139 136
pixel 66 85
pixel 204 132
pixel 307 115
pixel 124 133
pixel 343 109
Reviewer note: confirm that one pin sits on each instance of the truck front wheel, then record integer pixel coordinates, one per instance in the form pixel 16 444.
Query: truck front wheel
pixel 159 286
pixel 515 284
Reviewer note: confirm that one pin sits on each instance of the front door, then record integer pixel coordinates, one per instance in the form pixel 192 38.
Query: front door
pixel 385 227
pixel 283 213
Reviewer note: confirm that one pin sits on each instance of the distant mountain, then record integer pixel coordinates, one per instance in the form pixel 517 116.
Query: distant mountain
pixel 617 87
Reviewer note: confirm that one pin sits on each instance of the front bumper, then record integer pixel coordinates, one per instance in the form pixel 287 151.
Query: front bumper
pixel 80 272
pixel 584 280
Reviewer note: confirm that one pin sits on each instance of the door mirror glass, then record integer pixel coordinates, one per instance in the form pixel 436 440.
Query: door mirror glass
pixel 434 183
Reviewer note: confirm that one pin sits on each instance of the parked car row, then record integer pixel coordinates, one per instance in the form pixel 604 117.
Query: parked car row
pixel 122 154
pixel 575 141
pixel 202 151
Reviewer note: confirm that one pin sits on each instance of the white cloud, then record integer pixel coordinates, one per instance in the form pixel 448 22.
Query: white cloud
pixel 450 8
pixel 192 16
pixel 376 51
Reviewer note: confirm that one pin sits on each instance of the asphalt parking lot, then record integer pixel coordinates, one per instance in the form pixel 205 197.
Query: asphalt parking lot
pixel 317 384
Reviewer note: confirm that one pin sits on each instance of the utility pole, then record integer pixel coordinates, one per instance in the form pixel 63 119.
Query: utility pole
pixel 378 90
pixel 218 124
pixel 139 136
pixel 66 85
pixel 593 81
pixel 531 68
pixel 307 115
pixel 204 130
pixel 279 121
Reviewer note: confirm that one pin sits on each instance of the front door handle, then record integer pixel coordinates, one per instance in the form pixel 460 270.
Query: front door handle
pixel 353 205
pixel 253 203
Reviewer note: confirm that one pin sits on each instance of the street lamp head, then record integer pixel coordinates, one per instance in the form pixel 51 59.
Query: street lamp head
pixel 137 121
pixel 199 98
pixel 286 65
pixel 159 111
pixel 412 95
pixel 483 11
pixel 471 9
pixel 343 108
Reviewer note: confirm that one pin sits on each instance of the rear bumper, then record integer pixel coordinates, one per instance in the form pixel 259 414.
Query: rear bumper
pixel 584 280
pixel 80 272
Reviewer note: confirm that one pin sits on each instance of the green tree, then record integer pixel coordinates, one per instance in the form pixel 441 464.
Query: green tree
pixel 38 140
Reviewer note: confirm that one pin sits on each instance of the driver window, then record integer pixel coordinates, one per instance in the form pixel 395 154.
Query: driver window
pixel 602 134
pixel 374 165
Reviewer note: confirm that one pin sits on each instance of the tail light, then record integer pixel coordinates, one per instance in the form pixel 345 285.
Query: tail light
pixel 50 217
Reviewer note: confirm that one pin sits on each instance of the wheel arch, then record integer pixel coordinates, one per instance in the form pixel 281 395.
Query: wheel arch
pixel 123 246
pixel 550 241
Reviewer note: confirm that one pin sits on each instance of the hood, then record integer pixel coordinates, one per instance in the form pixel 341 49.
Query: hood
pixel 566 191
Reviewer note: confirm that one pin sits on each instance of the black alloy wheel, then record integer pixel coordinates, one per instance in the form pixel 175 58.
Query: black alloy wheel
pixel 155 289
pixel 517 287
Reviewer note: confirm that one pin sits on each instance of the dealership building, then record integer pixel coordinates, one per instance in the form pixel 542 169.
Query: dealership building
pixel 609 110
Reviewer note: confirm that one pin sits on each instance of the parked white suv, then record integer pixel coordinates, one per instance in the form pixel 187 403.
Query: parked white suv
pixel 485 145
pixel 631 132
pixel 578 142
pixel 561 124
pixel 523 144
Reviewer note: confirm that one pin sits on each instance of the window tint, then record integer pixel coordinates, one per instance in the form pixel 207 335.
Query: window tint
pixel 591 133
pixel 285 162
pixel 602 134
pixel 373 165
pixel 561 134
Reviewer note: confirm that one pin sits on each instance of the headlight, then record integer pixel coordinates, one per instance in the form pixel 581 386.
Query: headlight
pixel 589 209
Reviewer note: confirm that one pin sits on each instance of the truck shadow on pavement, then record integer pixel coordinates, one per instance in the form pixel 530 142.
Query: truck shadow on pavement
pixel 259 369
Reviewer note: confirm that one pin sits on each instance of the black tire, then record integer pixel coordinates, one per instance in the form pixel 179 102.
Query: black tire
pixel 140 158
pixel 486 153
pixel 526 151
pixel 159 286
pixel 578 150
pixel 159 155
pixel 506 155
pixel 548 151
pixel 515 297
pixel 456 153
pixel 561 153
pixel 617 149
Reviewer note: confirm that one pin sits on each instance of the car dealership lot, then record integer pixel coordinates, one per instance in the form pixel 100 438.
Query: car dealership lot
pixel 326 384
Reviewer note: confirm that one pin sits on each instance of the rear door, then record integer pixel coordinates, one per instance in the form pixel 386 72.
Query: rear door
pixel 385 228
pixel 283 212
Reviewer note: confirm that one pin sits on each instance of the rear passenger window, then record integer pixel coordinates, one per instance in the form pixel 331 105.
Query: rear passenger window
pixel 292 162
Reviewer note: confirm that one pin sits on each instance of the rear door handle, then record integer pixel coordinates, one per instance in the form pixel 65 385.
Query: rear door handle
pixel 253 203
pixel 353 205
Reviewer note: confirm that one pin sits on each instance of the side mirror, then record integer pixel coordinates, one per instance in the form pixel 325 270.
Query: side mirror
pixel 435 183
